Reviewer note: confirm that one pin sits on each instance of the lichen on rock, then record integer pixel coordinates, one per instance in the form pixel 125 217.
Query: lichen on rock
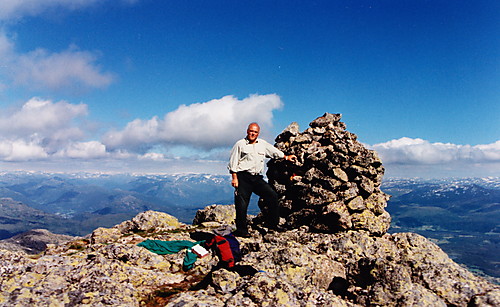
pixel 335 185
pixel 219 215
pixel 291 268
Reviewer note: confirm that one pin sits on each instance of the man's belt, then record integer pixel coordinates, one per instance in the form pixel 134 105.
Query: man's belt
pixel 250 173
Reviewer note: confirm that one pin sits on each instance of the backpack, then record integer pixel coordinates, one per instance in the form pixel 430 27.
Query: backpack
pixel 227 249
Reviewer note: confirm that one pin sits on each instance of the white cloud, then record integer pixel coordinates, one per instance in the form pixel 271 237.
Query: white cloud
pixel 46 135
pixel 15 9
pixel 489 152
pixel 44 130
pixel 43 117
pixel 71 68
pixel 6 47
pixel 12 9
pixel 207 125
pixel 84 150
pixel 135 134
pixel 153 156
pixel 40 128
pixel 21 150
pixel 417 151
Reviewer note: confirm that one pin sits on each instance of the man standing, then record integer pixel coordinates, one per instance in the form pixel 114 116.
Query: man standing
pixel 246 165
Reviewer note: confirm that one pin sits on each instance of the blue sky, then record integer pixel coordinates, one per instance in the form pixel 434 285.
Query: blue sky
pixel 169 86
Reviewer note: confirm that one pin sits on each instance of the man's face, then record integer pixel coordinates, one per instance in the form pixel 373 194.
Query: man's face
pixel 253 133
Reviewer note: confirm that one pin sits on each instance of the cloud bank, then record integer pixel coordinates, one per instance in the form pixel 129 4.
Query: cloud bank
pixel 39 129
pixel 407 157
pixel 417 151
pixel 47 135
pixel 213 124
pixel 43 129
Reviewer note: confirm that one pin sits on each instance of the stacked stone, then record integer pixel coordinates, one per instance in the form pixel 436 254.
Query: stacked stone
pixel 334 185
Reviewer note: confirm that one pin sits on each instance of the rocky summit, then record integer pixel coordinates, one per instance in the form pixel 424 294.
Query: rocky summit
pixel 333 248
pixel 335 185
pixel 290 268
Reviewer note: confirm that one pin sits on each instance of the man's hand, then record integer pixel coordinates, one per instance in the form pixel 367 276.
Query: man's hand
pixel 292 158
pixel 234 180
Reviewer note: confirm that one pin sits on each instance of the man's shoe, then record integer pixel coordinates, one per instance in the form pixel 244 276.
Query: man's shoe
pixel 241 234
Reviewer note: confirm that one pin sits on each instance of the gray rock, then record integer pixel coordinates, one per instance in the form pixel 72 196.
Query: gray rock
pixel 225 281
pixel 34 241
pixel 334 171
pixel 149 220
pixel 294 268
pixel 224 215
pixel 194 299
pixel 490 298
pixel 105 235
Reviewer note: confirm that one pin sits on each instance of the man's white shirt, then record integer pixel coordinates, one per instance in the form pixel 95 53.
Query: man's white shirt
pixel 250 157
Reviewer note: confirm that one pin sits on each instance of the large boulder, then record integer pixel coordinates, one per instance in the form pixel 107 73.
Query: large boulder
pixel 34 241
pixel 216 214
pixel 335 184
pixel 148 221
pixel 105 235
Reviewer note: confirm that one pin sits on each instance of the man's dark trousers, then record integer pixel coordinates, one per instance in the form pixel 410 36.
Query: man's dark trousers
pixel 248 184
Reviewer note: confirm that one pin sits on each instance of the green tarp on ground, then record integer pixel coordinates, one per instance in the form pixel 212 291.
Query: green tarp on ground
pixel 172 247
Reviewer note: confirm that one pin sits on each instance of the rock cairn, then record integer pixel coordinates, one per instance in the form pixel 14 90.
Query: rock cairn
pixel 335 185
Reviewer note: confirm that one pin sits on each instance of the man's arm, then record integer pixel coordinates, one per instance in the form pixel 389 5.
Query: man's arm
pixel 275 153
pixel 233 164
pixel 234 158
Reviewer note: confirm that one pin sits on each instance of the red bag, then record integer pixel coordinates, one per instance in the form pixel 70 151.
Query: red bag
pixel 224 250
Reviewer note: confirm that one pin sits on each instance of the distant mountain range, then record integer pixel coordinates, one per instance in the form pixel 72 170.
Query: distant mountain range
pixel 460 215
pixel 76 204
